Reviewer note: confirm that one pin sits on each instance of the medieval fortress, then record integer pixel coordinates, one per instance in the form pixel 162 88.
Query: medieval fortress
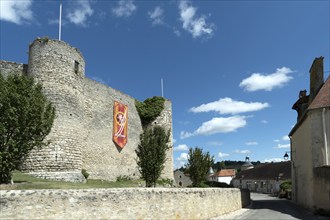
pixel 81 136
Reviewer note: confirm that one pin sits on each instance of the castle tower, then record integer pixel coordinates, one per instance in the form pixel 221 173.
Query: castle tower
pixel 61 69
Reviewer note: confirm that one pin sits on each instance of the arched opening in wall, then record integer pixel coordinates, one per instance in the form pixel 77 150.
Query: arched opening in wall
pixel 180 183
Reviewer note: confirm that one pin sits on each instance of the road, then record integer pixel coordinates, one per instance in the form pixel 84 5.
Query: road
pixel 267 207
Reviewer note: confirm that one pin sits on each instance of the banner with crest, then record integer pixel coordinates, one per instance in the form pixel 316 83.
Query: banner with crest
pixel 120 121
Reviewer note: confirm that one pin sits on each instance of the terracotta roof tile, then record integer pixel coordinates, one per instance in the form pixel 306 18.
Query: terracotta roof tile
pixel 226 172
pixel 322 98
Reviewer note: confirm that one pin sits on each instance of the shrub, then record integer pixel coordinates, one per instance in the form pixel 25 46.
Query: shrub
pixel 85 173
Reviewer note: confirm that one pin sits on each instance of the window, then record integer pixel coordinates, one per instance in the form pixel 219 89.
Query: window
pixel 76 66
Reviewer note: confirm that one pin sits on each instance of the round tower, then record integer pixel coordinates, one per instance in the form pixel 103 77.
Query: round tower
pixel 61 69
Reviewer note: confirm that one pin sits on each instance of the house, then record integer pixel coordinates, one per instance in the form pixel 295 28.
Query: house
pixel 224 175
pixel 181 179
pixel 310 143
pixel 264 178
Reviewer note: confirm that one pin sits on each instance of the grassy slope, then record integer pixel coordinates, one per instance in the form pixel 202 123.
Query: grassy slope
pixel 25 181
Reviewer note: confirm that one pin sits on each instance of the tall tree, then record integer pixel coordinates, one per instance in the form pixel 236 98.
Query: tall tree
pixel 198 165
pixel 151 153
pixel 26 118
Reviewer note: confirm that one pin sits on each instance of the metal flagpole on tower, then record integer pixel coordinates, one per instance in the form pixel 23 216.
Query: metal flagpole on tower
pixel 162 87
pixel 60 22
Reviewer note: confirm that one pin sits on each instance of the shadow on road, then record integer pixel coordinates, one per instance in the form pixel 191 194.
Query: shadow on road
pixel 269 207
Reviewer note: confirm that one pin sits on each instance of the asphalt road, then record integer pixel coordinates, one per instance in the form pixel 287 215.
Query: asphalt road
pixel 267 207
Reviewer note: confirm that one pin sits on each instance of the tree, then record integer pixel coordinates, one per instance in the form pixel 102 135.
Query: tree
pixel 26 118
pixel 198 165
pixel 151 153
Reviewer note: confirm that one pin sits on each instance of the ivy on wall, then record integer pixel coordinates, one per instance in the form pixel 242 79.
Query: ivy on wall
pixel 150 109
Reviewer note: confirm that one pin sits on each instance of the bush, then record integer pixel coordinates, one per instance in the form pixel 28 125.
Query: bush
pixel 85 173
pixel 123 178
pixel 150 109
pixel 218 184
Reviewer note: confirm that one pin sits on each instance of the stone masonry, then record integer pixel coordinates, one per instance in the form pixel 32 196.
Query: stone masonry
pixel 81 137
pixel 122 203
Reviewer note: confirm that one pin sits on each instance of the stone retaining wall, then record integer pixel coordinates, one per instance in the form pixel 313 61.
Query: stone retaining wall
pixel 121 203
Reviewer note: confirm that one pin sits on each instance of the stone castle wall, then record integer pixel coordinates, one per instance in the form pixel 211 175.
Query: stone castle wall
pixel 81 137
pixel 122 203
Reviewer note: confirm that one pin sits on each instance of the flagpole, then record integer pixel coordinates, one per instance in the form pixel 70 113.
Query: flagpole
pixel 162 87
pixel 60 22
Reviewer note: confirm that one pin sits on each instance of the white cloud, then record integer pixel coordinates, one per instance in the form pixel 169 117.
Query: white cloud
pixel 221 155
pixel 157 16
pixel 125 8
pixel 242 151
pixel 182 160
pixel 173 140
pixel 16 11
pixel 217 125
pixel 273 160
pixel 80 13
pixel 276 140
pixel 182 157
pixel 181 147
pixel 280 146
pixel 251 143
pixel 215 143
pixel 196 26
pixel 230 106
pixel 264 121
pixel 258 81
pixel 285 138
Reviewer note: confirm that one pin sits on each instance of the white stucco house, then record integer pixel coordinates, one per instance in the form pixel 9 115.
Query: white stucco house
pixel 264 178
pixel 310 142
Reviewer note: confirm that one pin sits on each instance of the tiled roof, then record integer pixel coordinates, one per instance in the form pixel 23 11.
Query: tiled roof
pixel 322 98
pixel 267 171
pixel 225 172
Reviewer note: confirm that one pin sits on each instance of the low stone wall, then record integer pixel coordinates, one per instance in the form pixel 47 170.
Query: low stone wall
pixel 121 203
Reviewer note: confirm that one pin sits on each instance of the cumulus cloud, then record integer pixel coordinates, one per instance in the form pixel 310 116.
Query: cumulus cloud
pixel 125 8
pixel 80 13
pixel 182 159
pixel 264 121
pixel 195 25
pixel 273 160
pixel 157 16
pixel 251 143
pixel 181 147
pixel 242 151
pixel 217 125
pixel 258 81
pixel 280 146
pixel 230 106
pixel 285 138
pixel 221 155
pixel 16 11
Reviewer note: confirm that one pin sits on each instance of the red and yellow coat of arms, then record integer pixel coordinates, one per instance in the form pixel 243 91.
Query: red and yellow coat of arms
pixel 120 121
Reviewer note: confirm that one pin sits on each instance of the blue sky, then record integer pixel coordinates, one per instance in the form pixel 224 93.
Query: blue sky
pixel 232 69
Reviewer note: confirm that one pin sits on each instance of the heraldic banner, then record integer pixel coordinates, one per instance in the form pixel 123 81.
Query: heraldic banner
pixel 120 124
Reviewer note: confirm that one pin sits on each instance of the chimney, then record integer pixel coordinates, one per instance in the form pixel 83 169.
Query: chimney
pixel 316 77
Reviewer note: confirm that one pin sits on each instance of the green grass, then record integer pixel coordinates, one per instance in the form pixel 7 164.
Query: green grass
pixel 24 181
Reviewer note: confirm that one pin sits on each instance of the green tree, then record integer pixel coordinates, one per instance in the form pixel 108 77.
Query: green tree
pixel 26 117
pixel 198 165
pixel 151 153
pixel 150 109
